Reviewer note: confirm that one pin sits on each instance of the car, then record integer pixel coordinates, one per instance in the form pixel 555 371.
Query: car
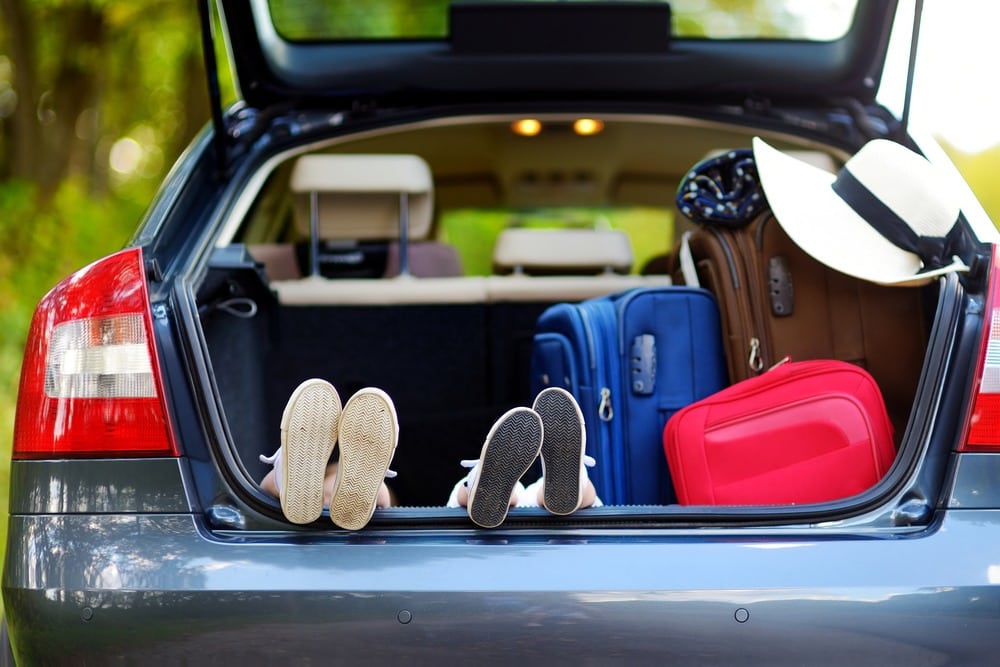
pixel 354 216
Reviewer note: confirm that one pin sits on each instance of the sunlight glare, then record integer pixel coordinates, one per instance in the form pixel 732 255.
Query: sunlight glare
pixel 126 155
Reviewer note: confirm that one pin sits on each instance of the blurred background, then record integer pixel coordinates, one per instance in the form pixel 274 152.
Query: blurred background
pixel 99 97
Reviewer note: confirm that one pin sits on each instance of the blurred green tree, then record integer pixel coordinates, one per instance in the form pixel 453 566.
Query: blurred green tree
pixel 79 76
pixel 97 99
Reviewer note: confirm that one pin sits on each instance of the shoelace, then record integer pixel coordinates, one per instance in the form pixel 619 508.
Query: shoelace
pixel 473 465
pixel 274 460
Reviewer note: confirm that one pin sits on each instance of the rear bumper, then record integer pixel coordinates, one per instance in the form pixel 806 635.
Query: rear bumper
pixel 93 588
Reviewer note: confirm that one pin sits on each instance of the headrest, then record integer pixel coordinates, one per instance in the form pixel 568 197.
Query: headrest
pixel 359 195
pixel 562 251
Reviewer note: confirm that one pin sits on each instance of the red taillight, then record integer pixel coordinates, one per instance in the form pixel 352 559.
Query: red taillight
pixel 90 383
pixel 983 428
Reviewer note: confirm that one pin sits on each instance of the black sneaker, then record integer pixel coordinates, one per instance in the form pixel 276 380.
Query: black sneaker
pixel 563 447
pixel 511 446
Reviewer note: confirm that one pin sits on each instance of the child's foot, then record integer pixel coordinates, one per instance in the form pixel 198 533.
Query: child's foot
pixel 563 444
pixel 308 434
pixel 369 431
pixel 510 448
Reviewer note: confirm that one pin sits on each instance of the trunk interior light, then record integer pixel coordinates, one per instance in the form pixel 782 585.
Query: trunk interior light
pixel 526 127
pixel 586 127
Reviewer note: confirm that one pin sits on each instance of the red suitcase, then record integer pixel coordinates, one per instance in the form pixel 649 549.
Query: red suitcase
pixel 803 432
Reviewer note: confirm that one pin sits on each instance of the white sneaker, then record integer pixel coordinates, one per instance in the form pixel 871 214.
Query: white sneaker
pixel 369 432
pixel 510 448
pixel 564 462
pixel 308 434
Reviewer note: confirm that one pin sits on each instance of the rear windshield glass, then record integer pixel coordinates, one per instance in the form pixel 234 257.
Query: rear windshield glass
pixel 336 20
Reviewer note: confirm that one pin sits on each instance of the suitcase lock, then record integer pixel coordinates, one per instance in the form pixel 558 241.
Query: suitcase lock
pixel 642 364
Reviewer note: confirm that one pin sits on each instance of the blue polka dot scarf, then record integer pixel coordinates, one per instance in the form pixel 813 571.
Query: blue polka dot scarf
pixel 722 190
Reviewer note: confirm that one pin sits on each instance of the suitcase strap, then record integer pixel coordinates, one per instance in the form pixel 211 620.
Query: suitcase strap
pixel 686 260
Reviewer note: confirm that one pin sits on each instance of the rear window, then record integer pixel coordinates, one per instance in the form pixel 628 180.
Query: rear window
pixel 347 20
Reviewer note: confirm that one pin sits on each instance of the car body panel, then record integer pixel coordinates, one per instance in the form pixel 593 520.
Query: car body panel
pixel 98 487
pixel 973 483
pixel 752 596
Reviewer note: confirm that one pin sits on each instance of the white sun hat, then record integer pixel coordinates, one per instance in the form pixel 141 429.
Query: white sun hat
pixel 886 217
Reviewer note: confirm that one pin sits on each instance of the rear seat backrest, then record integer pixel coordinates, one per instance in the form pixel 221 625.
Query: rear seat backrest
pixel 563 265
pixel 427 259
pixel 278 259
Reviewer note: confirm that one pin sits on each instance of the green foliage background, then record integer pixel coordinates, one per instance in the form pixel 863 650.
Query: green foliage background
pixel 82 79
pixel 77 76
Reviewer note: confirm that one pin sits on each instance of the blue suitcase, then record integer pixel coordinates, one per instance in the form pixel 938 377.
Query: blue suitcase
pixel 632 360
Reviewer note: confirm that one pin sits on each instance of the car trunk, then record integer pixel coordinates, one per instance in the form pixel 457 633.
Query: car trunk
pixel 450 369
pixel 453 367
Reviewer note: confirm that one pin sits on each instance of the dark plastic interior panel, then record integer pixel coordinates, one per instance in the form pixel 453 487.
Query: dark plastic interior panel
pixel 559 27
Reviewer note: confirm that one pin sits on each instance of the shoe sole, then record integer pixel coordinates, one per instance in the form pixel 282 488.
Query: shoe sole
pixel 369 430
pixel 510 448
pixel 308 435
pixel 563 447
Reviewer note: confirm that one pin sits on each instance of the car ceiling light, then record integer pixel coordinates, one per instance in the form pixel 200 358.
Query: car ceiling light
pixel 527 127
pixel 587 126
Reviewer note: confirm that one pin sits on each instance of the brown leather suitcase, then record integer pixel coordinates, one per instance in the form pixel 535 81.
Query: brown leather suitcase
pixel 776 301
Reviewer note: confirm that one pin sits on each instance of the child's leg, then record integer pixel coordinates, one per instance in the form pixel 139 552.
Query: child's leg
pixel 460 493
pixel 268 485
pixel 385 497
